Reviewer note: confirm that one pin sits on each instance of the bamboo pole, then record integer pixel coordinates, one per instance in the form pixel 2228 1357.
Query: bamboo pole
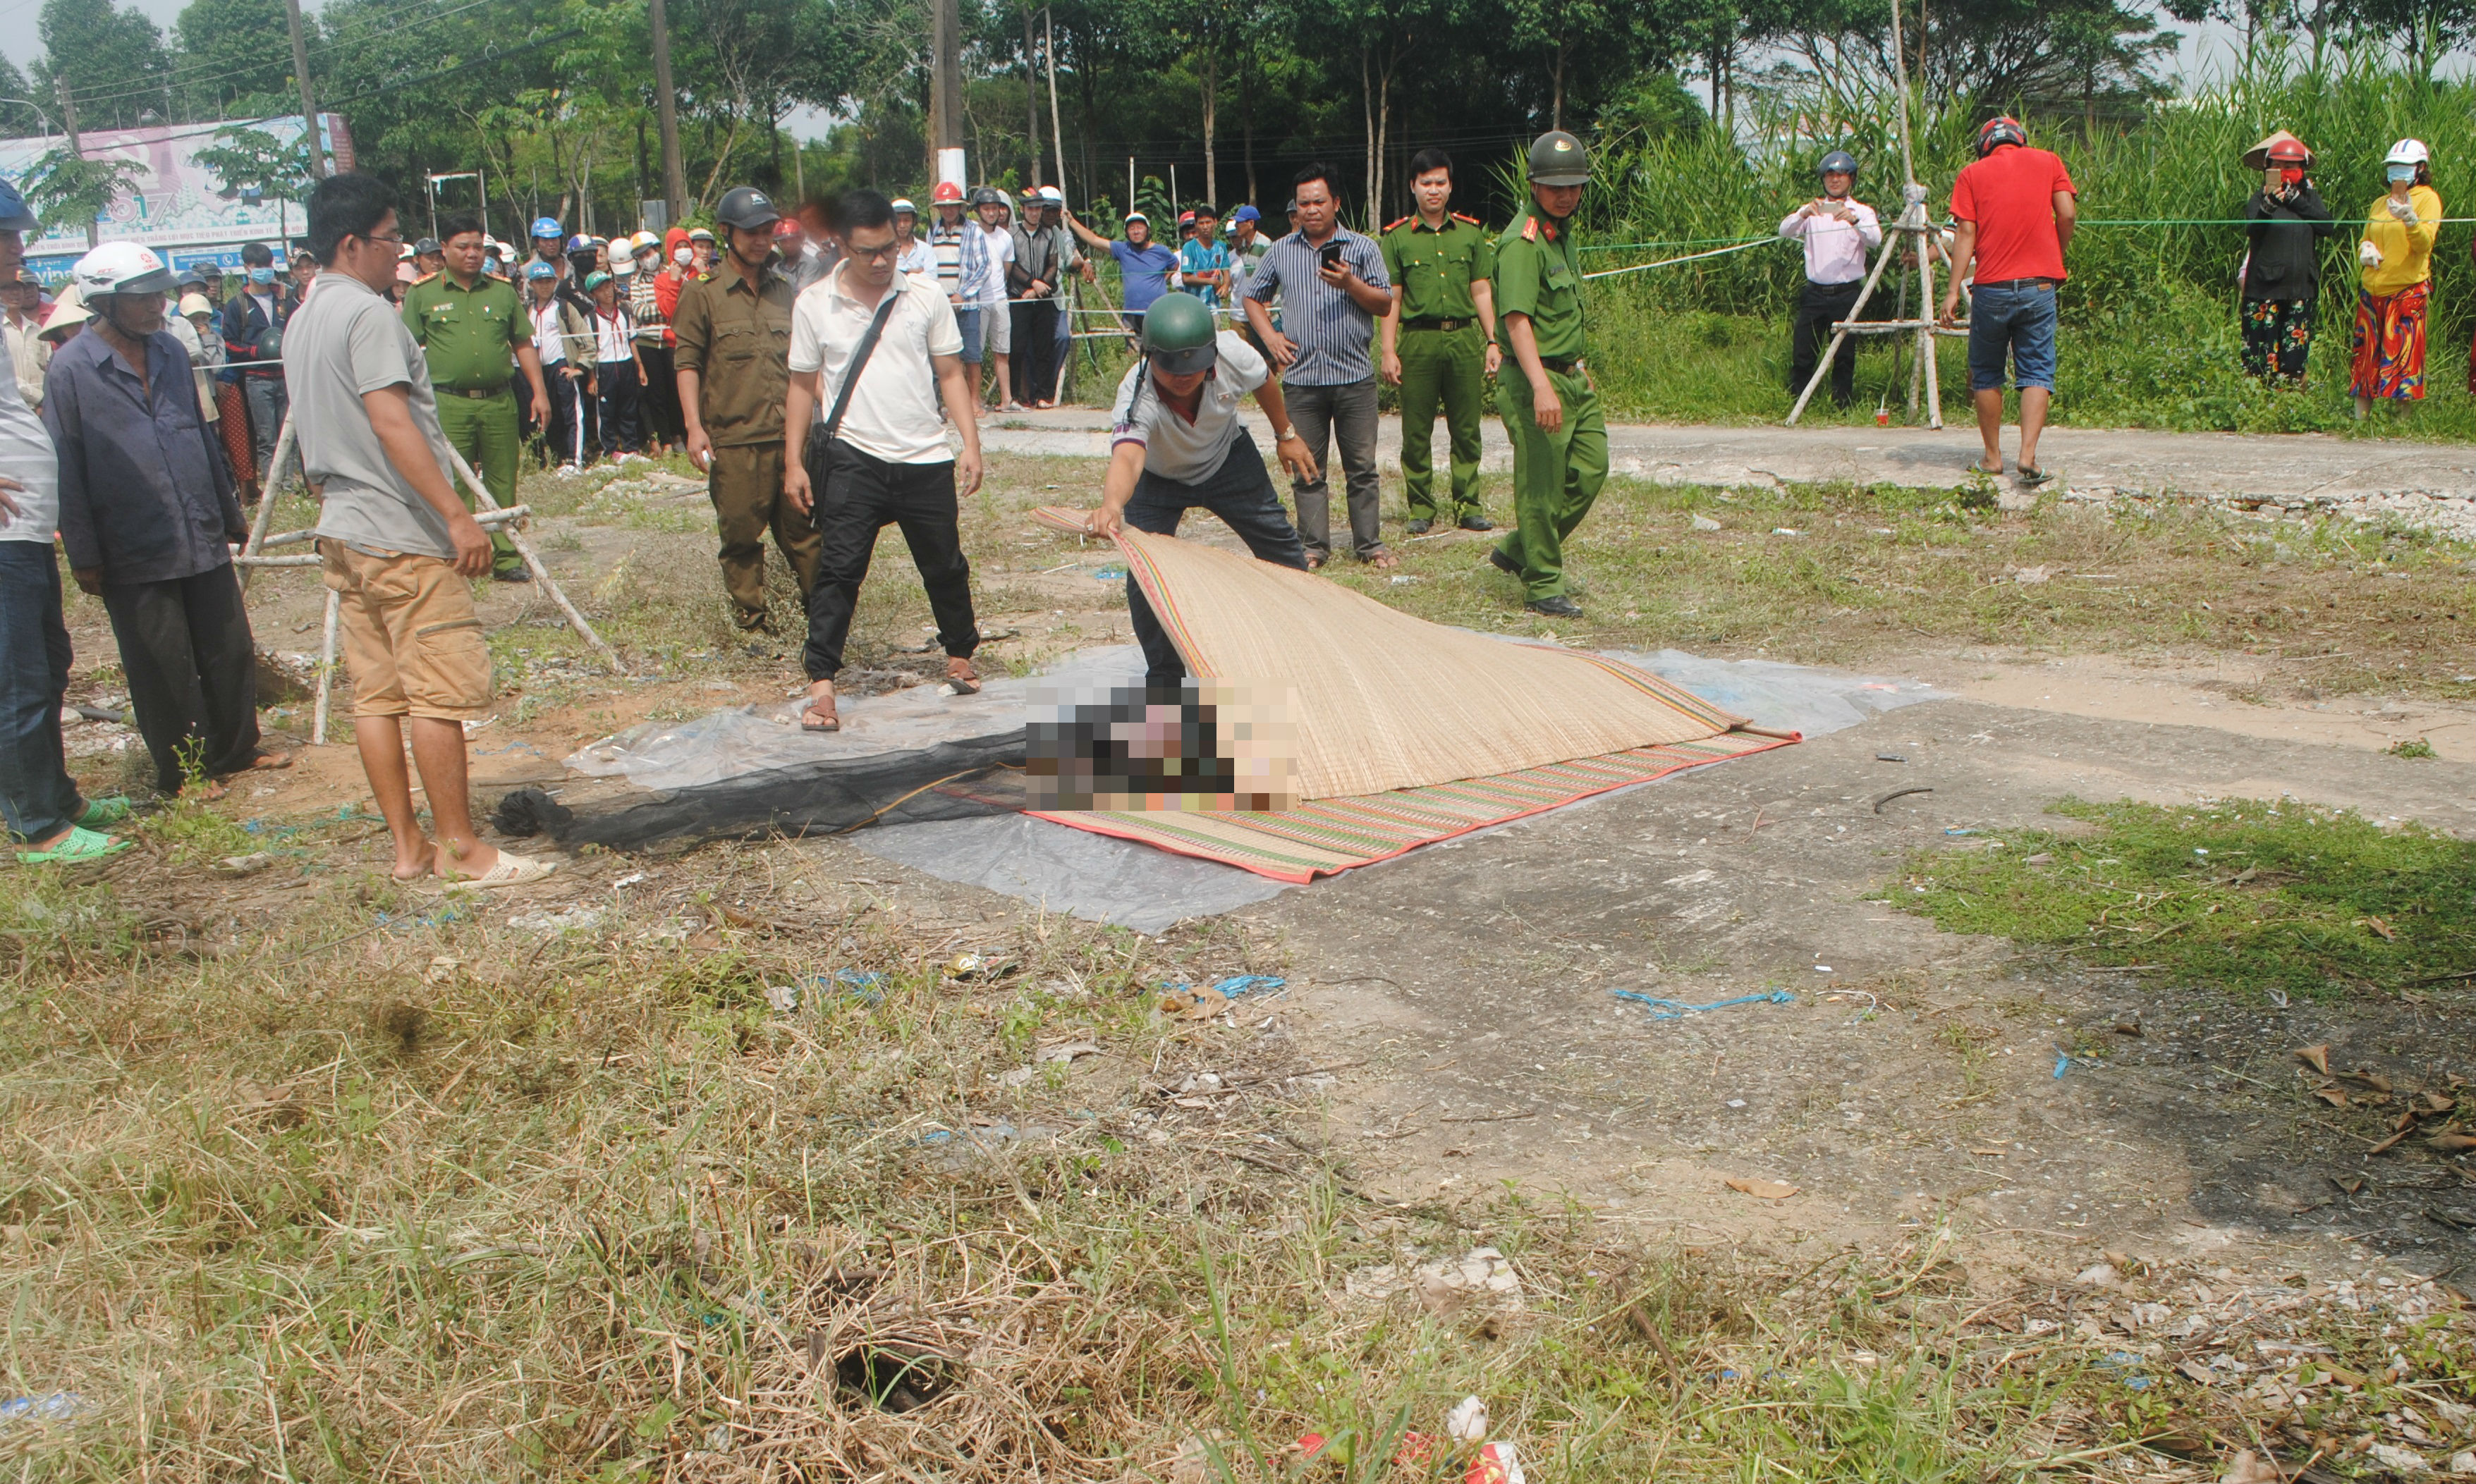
pixel 1914 196
pixel 532 560
pixel 266 516
pixel 326 671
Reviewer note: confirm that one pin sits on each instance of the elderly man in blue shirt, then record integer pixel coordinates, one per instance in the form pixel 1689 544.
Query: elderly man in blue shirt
pixel 146 512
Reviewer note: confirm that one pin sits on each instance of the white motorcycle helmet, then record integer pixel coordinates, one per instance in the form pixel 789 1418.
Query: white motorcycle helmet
pixel 122 268
pixel 2408 152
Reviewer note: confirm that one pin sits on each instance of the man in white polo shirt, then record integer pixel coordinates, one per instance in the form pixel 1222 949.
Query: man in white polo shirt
pixel 883 460
pixel 1179 445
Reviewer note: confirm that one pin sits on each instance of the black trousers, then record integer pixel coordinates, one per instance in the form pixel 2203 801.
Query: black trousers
pixel 858 497
pixel 1035 350
pixel 660 403
pixel 192 668
pixel 1818 306
pixel 1241 493
pixel 622 427
pixel 561 435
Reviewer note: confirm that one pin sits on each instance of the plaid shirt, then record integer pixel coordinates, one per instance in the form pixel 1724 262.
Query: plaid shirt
pixel 974 265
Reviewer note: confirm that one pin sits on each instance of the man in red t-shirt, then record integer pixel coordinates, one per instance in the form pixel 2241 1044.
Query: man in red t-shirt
pixel 2015 206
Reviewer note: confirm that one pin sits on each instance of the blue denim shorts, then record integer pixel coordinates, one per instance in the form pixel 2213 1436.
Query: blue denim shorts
pixel 2020 320
pixel 967 319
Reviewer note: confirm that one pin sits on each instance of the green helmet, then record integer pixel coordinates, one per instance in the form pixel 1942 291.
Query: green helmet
pixel 1558 159
pixel 1180 334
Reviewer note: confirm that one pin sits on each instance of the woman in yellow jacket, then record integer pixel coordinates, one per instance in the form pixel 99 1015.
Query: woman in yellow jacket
pixel 2396 254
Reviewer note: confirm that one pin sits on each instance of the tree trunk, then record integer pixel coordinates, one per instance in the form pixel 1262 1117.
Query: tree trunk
pixel 1367 115
pixel 1383 119
pixel 1246 116
pixel 1030 96
pixel 774 138
pixel 1211 103
pixel 1556 104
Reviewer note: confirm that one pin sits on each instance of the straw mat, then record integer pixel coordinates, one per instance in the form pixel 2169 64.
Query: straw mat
pixel 1323 836
pixel 1382 700
pixel 1409 732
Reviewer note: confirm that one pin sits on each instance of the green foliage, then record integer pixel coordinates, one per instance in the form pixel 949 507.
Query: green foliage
pixel 111 61
pixel 2253 896
pixel 247 159
pixel 69 192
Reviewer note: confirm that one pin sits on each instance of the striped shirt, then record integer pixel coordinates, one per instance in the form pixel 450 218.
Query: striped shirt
pixel 1332 334
pixel 962 258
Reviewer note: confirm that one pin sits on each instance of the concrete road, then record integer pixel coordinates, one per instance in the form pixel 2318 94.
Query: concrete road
pixel 2287 467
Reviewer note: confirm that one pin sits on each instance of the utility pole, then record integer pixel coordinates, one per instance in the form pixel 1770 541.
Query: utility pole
pixel 945 93
pixel 77 150
pixel 308 108
pixel 675 183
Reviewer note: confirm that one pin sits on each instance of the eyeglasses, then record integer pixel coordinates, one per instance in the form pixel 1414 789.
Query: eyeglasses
pixel 394 242
pixel 873 253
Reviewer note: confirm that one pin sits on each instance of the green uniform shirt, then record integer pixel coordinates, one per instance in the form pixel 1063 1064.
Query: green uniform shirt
pixel 469 335
pixel 739 343
pixel 1436 268
pixel 1538 274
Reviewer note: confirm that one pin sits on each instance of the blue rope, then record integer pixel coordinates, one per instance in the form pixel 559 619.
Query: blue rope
pixel 1679 1009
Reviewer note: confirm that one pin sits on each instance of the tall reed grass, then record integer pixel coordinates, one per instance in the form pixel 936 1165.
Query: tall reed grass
pixel 2149 316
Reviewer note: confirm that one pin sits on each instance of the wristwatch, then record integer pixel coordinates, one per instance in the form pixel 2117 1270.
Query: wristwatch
pixel 1285 434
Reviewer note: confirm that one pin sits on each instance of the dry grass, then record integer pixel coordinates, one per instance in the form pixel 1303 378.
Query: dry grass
pixel 292 1191
pixel 1840 575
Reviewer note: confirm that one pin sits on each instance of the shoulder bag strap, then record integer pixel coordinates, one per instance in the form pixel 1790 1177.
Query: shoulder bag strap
pixel 859 361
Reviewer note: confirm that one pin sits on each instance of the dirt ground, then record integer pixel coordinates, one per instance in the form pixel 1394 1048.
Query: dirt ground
pixel 1461 998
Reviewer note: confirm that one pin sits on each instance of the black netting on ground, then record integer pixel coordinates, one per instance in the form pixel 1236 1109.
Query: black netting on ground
pixel 965 779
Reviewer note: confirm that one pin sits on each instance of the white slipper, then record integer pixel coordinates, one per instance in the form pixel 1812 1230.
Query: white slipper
pixel 512 870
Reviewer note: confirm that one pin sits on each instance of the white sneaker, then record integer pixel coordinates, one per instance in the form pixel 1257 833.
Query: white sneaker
pixel 569 468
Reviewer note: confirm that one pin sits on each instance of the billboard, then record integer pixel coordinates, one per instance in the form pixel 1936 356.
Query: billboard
pixel 177 207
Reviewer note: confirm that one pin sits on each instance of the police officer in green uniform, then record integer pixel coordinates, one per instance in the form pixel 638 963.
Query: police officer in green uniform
pixel 1550 409
pixel 733 364
pixel 1439 342
pixel 468 324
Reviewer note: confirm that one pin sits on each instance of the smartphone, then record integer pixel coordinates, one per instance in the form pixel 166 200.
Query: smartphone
pixel 1331 255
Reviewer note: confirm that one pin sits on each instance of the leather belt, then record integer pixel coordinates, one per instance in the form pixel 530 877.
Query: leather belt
pixel 2026 282
pixel 478 396
pixel 1565 367
pixel 1446 324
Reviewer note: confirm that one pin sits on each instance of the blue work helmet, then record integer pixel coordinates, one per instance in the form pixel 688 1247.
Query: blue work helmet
pixel 14 214
pixel 548 226
pixel 538 269
pixel 579 243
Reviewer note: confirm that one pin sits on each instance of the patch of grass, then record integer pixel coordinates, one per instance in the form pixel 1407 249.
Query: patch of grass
pixel 2410 747
pixel 2252 897
pixel 1878 568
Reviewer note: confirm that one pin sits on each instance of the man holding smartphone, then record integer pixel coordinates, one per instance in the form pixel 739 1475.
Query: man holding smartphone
pixel 1334 288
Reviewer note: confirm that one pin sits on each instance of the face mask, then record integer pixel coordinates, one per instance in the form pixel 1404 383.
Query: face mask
pixel 684 256
pixel 2293 175
pixel 2401 174
pixel 261 274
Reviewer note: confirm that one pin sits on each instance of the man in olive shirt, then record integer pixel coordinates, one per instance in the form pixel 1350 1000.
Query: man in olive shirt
pixel 1550 409
pixel 733 363
pixel 1439 340
pixel 467 324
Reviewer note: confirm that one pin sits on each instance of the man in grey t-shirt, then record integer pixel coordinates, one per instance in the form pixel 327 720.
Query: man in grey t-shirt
pixel 399 545
pixel 1178 444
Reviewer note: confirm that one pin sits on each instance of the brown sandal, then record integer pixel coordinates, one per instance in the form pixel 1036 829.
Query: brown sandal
pixel 961 677
pixel 820 706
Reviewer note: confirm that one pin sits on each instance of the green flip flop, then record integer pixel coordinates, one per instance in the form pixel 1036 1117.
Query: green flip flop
pixel 110 809
pixel 76 847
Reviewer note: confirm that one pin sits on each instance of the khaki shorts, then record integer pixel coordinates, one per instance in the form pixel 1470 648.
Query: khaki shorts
pixel 412 640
